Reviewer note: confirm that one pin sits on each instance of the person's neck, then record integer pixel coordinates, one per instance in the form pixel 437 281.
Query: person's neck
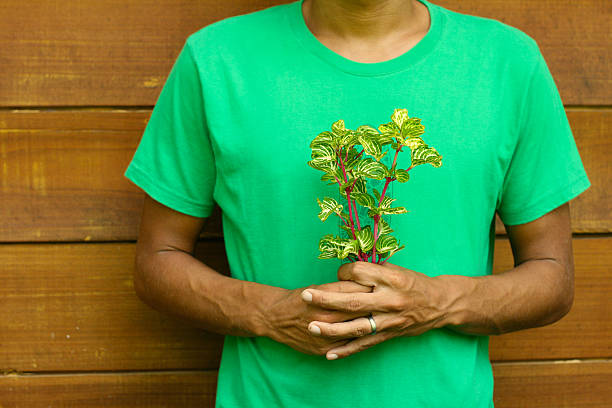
pixel 368 21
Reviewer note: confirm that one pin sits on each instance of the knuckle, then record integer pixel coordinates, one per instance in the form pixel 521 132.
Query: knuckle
pixel 360 331
pixel 354 304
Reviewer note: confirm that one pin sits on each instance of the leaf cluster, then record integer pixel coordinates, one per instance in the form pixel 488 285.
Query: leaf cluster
pixel 349 157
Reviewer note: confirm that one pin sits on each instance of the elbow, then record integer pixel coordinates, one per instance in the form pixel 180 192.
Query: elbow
pixel 565 298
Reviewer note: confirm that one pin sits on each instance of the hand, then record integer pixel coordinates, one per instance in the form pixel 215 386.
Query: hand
pixel 289 316
pixel 403 303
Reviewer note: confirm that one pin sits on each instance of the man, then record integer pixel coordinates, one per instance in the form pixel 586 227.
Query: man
pixel 233 125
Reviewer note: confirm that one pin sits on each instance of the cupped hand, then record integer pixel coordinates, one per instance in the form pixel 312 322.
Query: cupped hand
pixel 289 316
pixel 402 302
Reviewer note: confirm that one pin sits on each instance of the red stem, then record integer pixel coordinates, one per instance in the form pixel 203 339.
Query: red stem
pixel 348 198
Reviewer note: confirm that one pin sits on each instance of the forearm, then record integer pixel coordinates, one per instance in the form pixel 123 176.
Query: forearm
pixel 176 283
pixel 535 293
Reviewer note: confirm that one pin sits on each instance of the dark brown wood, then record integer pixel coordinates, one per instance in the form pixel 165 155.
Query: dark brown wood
pixel 118 53
pixel 565 32
pixel 62 175
pixel 562 384
pixel 185 389
pixel 585 332
pixel 571 384
pixel 73 307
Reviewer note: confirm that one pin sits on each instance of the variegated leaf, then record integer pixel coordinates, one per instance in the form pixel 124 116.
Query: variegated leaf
pixel 395 210
pixel 364 199
pixel 360 185
pixel 323 165
pixel 376 195
pixel 323 152
pixel 386 243
pixel 399 117
pixel 391 252
pixel 412 128
pixel 365 238
pixel 401 175
pixel 350 247
pixel 414 142
pixel 371 168
pixel 389 130
pixel 328 206
pixel 372 146
pixel 383 227
pixel 322 138
pixel 386 202
pixel 338 128
pixel 425 154
pixel 353 159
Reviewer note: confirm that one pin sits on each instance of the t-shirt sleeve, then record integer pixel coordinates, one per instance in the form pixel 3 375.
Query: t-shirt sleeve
pixel 174 162
pixel 545 170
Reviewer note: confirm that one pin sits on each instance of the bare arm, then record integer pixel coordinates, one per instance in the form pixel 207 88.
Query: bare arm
pixel 169 279
pixel 537 291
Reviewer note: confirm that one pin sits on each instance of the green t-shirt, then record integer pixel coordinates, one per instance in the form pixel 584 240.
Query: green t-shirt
pixel 233 124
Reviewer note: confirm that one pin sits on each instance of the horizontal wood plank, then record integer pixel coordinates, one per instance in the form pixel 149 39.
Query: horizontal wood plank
pixel 62 175
pixel 565 384
pixel 585 332
pixel 118 52
pixel 185 389
pixel 73 307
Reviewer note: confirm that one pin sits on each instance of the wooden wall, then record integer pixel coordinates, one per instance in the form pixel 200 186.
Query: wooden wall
pixel 78 81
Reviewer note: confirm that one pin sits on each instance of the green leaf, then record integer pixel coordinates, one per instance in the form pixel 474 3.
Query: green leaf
pixel 347 229
pixel 322 138
pixel 425 154
pixel 413 142
pixel 386 202
pixel 386 243
pixel 383 227
pixel 401 175
pixel 351 246
pixel 388 254
pixel 360 185
pixel 323 165
pixel 389 130
pixel 376 194
pixel 399 117
pixel 365 238
pixel 371 168
pixel 412 128
pixel 323 152
pixel 395 210
pixel 352 160
pixel 328 206
pixel 338 129
pixel 372 146
pixel 364 199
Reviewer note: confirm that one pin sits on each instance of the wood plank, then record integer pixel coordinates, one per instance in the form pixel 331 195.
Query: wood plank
pixel 62 175
pixel 585 332
pixel 118 53
pixel 571 384
pixel 73 307
pixel 183 389
pixel 563 384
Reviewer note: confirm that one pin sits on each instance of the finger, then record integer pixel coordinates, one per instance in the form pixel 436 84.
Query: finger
pixel 344 287
pixel 346 302
pixel 365 273
pixel 342 330
pixel 356 346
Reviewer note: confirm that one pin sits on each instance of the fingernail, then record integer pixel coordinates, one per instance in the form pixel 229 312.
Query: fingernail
pixel 314 329
pixel 332 356
pixel 307 296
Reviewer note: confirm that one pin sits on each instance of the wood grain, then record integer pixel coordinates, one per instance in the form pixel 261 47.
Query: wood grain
pixel 571 384
pixel 73 307
pixel 62 175
pixel 119 52
pixel 586 331
pixel 185 389
pixel 563 384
